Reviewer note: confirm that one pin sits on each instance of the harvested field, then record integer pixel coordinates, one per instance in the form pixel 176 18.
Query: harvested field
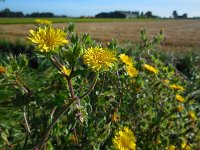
pixel 180 35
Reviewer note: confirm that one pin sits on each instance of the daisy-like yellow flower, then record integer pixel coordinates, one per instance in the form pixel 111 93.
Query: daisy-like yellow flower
pixel 192 115
pixel 171 147
pixel 43 22
pixel 115 117
pixel 185 146
pixel 132 72
pixel 179 108
pixel 151 69
pixel 65 71
pixel 126 59
pixel 47 39
pixel 176 87
pixel 2 69
pixel 98 58
pixel 158 141
pixel 124 140
pixel 179 98
pixel 166 81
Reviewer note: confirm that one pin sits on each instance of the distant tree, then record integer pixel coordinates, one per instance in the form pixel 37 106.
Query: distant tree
pixel 149 14
pixel 185 16
pixel 8 13
pixel 175 14
pixel 43 14
pixel 142 14
pixel 5 13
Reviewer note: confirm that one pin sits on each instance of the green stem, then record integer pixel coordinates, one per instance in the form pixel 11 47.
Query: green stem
pixel 60 113
pixel 92 86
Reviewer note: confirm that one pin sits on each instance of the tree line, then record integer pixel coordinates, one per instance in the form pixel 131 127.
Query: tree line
pixel 8 13
pixel 116 14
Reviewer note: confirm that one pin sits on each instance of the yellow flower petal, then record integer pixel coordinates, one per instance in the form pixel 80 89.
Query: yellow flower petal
pixel 124 140
pixel 47 39
pixel 126 59
pixel 132 72
pixel 2 69
pixel 151 69
pixel 65 71
pixel 176 87
pixel 97 58
pixel 179 98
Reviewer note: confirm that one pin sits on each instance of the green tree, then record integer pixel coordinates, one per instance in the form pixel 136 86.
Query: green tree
pixel 175 14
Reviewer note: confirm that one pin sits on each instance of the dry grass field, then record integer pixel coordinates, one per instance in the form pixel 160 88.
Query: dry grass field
pixel 181 35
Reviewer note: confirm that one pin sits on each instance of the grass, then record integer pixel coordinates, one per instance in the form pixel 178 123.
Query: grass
pixel 64 20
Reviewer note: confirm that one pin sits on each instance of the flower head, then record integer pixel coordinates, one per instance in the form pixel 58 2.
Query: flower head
pixel 171 147
pixel 65 71
pixel 166 81
pixel 132 72
pixel 179 108
pixel 151 69
pixel 185 146
pixel 115 117
pixel 192 115
pixel 97 58
pixel 2 69
pixel 124 140
pixel 126 59
pixel 47 38
pixel 43 22
pixel 179 98
pixel 176 87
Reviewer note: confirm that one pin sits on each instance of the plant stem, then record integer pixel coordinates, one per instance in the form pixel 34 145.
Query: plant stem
pixel 60 113
pixel 92 86
pixel 71 89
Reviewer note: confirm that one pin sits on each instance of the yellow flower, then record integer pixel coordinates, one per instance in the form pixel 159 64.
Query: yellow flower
pixel 166 81
pixel 126 59
pixel 176 87
pixel 124 140
pixel 171 147
pixel 43 22
pixel 65 71
pixel 179 108
pixel 2 69
pixel 179 98
pixel 158 141
pixel 72 138
pixel 192 115
pixel 151 69
pixel 132 72
pixel 185 146
pixel 115 117
pixel 47 38
pixel 97 58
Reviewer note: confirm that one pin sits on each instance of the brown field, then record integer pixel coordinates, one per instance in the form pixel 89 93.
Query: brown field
pixel 180 35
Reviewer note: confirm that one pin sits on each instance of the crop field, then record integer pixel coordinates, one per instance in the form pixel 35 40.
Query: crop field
pixel 180 35
pixel 64 20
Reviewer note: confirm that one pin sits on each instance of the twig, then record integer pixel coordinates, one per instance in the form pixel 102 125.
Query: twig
pixel 91 87
pixel 60 113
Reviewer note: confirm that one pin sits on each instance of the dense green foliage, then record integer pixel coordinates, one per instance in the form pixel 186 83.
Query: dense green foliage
pixel 32 98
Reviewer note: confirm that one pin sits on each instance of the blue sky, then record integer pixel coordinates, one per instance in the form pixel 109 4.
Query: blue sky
pixel 75 8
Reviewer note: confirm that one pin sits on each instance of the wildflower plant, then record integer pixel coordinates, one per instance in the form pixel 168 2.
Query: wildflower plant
pixel 86 96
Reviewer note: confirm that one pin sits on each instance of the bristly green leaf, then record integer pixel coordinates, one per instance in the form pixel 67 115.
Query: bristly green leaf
pixel 71 27
pixel 74 38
